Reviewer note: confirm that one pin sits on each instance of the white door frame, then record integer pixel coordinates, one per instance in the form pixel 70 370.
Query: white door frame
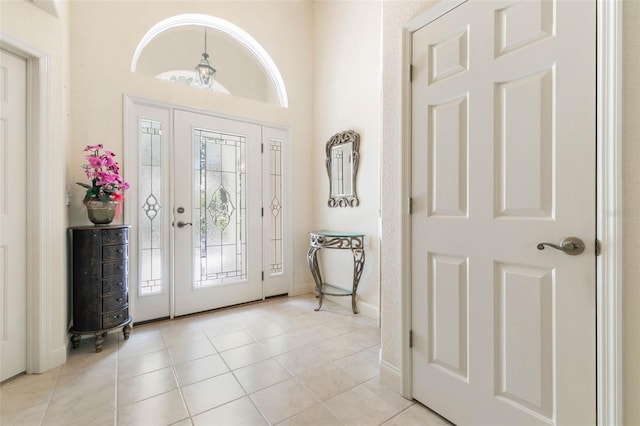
pixel 609 203
pixel 39 327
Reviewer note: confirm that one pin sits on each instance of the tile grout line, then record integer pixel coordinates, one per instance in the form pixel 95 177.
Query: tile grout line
pixel 175 377
pixel 247 394
pixel 53 389
pixel 115 408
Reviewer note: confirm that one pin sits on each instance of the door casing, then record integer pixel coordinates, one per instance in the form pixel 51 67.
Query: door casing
pixel 42 355
pixel 608 199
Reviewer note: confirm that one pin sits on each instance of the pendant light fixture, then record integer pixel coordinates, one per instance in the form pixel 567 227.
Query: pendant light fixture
pixel 204 69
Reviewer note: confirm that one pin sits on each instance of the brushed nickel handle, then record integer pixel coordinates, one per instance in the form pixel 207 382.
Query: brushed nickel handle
pixel 570 245
pixel 182 224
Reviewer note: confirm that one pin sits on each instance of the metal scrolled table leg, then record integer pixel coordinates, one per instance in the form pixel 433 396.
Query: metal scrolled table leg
pixel 312 259
pixel 358 266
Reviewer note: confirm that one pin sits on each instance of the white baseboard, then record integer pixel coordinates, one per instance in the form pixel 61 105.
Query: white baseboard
pixel 59 356
pixel 55 358
pixel 299 290
pixel 390 375
pixel 364 308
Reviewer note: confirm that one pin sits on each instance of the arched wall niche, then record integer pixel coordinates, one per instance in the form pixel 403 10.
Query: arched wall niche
pixel 245 69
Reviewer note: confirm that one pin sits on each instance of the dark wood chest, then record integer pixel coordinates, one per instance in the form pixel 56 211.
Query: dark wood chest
pixel 100 287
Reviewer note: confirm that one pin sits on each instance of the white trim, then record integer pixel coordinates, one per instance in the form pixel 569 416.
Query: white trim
pixel 391 376
pixel 235 32
pixel 430 15
pixel 609 205
pixel 405 236
pixel 300 289
pixel 366 309
pixel 415 24
pixel 50 6
pixel 41 356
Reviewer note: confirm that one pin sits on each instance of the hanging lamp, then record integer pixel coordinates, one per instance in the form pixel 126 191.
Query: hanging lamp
pixel 204 69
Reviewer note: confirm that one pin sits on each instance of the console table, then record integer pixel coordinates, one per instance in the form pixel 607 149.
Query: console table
pixel 336 240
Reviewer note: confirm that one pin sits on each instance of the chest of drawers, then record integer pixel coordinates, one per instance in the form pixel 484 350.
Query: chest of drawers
pixel 100 275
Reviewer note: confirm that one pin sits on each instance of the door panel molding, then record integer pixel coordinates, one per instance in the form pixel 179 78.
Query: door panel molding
pixel 608 199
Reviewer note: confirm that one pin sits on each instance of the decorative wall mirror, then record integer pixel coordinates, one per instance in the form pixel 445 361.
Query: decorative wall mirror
pixel 342 167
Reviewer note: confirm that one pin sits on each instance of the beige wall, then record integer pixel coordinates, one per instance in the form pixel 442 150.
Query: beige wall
pixel 346 96
pixel 104 36
pixel 631 203
pixel 43 33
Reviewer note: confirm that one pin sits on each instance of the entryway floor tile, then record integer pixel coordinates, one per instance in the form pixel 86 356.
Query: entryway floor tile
pixel 267 363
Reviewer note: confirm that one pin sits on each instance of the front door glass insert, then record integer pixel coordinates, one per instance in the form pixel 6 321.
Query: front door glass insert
pixel 150 220
pixel 275 206
pixel 219 211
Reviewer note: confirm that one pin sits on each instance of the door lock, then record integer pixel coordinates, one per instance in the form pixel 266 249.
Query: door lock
pixel 570 245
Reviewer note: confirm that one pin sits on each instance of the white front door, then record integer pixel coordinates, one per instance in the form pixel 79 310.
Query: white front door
pixel 210 211
pixel 13 281
pixel 503 158
pixel 217 212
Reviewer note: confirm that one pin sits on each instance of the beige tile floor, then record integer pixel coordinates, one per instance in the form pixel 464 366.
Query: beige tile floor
pixel 273 362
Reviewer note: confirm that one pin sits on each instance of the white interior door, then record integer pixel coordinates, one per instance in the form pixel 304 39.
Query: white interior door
pixel 13 304
pixel 217 212
pixel 503 158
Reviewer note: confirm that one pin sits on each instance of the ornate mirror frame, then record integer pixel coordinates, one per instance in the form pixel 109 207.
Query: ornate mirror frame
pixel 348 199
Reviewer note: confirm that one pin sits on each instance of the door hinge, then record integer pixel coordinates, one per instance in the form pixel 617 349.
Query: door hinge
pixel 410 205
pixel 262 211
pixel 262 275
pixel 410 72
pixel 410 338
pixel 598 247
pixel 262 148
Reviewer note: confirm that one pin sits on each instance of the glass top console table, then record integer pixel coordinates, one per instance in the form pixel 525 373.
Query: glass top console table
pixel 336 240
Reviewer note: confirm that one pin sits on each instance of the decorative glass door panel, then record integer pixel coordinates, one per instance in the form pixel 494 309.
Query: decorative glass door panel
pixel 277 222
pixel 275 206
pixel 150 191
pixel 147 209
pixel 217 212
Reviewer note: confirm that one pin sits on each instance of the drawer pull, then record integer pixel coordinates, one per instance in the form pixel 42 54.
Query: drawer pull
pixel 119 299
pixel 120 251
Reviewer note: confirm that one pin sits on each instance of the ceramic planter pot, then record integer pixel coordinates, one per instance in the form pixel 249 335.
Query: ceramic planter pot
pixel 101 212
